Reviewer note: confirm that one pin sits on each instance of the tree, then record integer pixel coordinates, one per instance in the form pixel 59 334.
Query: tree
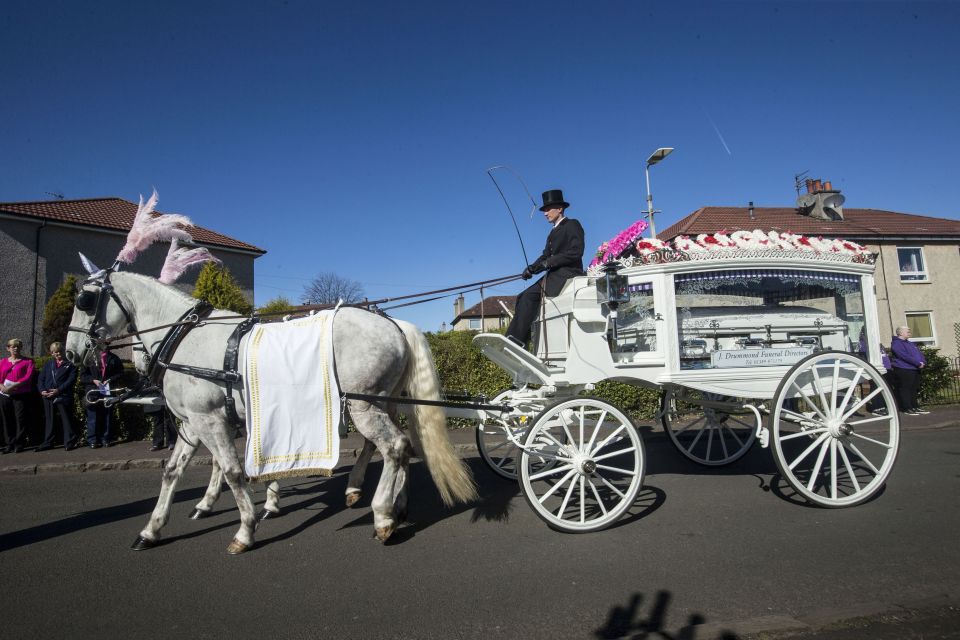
pixel 329 288
pixel 217 286
pixel 276 306
pixel 58 312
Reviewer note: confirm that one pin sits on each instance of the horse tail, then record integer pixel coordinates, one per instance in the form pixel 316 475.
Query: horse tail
pixel 449 472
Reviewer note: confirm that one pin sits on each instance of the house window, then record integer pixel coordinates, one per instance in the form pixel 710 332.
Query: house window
pixel 475 324
pixel 913 268
pixel 921 328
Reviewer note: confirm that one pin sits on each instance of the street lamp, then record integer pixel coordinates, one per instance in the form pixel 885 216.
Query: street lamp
pixel 654 158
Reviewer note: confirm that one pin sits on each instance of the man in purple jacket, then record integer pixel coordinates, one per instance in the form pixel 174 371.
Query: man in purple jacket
pixel 907 361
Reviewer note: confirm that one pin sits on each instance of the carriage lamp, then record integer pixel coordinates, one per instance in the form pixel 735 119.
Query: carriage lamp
pixel 612 290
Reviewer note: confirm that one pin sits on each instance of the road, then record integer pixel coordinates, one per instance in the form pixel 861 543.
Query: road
pixel 704 554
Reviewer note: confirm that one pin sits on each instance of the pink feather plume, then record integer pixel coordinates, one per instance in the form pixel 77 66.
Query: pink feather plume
pixel 149 228
pixel 179 259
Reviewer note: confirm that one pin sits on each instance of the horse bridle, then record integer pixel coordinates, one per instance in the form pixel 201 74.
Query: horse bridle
pixel 96 303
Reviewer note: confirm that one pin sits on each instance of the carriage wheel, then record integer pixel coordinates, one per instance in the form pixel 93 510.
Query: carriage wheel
pixel 826 443
pixel 582 465
pixel 708 435
pixel 496 449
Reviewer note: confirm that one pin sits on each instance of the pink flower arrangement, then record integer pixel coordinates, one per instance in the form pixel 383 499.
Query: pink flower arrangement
pixel 611 250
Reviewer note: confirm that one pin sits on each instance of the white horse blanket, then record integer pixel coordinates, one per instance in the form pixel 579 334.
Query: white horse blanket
pixel 292 399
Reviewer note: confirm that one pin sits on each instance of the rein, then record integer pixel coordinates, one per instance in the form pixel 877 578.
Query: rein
pixel 196 320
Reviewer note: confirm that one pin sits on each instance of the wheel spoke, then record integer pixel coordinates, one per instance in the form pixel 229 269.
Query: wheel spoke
pixel 614 453
pixel 583 502
pixel 566 498
pixel 566 431
pixel 877 442
pixel 625 472
pixel 723 442
pixel 559 484
pixel 816 467
pixel 801 434
pixel 550 472
pixel 547 434
pixel 596 430
pixel 596 495
pixel 710 441
pixel 799 416
pixel 835 385
pixel 692 424
pixel 869 420
pixel 818 387
pixel 735 437
pixel 608 439
pixel 739 422
pixel 579 442
pixel 862 457
pixel 833 468
pixel 810 402
pixel 498 446
pixel 807 451
pixel 850 390
pixel 610 486
pixel 697 439
pixel 846 463
pixel 862 402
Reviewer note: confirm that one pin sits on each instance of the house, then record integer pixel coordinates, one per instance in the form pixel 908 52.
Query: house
pixel 490 314
pixel 917 264
pixel 39 242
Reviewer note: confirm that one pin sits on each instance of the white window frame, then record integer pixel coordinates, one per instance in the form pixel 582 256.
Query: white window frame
pixel 474 327
pixel 920 275
pixel 930 341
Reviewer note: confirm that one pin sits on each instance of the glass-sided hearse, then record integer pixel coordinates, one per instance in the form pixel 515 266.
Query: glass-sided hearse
pixel 777 344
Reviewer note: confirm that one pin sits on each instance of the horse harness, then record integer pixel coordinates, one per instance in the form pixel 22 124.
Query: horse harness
pixel 160 360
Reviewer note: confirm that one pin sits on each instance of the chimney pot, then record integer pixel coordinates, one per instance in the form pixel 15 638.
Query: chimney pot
pixel 750 211
pixel 827 186
pixel 809 185
pixel 817 186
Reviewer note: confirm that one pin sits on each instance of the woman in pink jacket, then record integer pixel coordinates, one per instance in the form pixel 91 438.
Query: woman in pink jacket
pixel 16 380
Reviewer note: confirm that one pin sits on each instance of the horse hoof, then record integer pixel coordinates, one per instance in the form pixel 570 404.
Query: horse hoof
pixel 266 514
pixel 199 514
pixel 141 544
pixel 236 547
pixel 353 498
pixel 384 533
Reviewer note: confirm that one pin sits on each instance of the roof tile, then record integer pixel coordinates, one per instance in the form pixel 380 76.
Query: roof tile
pixel 109 213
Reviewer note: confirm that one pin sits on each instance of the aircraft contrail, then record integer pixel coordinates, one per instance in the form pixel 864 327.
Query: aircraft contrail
pixel 719 135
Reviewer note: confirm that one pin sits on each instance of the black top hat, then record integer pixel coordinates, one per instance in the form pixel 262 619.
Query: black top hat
pixel 553 198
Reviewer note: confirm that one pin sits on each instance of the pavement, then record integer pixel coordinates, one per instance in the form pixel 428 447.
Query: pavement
pixel 137 454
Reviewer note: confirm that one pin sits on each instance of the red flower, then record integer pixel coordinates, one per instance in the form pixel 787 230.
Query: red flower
pixel 710 240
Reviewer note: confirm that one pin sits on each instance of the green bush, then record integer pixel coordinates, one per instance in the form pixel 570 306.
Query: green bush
pixel 58 312
pixel 217 286
pixel 935 377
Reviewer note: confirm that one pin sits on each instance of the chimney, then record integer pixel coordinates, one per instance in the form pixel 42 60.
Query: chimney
pixel 822 202
pixel 809 185
pixel 750 210
pixel 458 306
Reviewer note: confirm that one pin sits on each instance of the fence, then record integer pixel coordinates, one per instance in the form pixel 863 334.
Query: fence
pixel 950 393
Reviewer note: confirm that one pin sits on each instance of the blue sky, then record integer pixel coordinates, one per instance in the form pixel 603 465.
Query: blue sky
pixel 353 137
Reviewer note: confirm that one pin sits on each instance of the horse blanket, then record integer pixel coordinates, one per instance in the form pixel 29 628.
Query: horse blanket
pixel 292 399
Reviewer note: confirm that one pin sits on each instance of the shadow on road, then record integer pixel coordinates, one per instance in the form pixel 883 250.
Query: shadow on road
pixel 636 622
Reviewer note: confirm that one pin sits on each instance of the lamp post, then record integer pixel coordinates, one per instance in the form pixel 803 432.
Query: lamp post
pixel 654 158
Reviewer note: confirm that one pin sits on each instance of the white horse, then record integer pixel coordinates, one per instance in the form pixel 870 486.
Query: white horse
pixel 372 357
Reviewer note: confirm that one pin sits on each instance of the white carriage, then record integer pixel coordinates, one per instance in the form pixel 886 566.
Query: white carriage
pixel 776 345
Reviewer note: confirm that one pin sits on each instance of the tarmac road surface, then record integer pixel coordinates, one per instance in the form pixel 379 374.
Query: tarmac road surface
pixel 704 554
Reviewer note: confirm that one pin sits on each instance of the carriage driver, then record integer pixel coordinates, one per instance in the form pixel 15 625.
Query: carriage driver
pixel 562 259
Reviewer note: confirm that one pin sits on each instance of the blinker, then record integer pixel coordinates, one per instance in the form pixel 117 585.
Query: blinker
pixel 86 301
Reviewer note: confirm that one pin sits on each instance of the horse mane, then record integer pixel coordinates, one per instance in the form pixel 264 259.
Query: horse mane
pixel 139 277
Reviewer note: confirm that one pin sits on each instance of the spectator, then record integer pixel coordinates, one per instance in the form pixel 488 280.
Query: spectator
pixel 907 361
pixel 16 382
pixel 163 429
pixel 56 388
pixel 98 378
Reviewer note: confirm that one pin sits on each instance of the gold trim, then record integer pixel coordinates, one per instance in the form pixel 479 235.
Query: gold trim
pixel 297 473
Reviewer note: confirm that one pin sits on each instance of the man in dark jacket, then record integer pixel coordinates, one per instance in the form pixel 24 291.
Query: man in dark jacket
pixel 562 259
pixel 907 361
pixel 56 388
pixel 100 377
